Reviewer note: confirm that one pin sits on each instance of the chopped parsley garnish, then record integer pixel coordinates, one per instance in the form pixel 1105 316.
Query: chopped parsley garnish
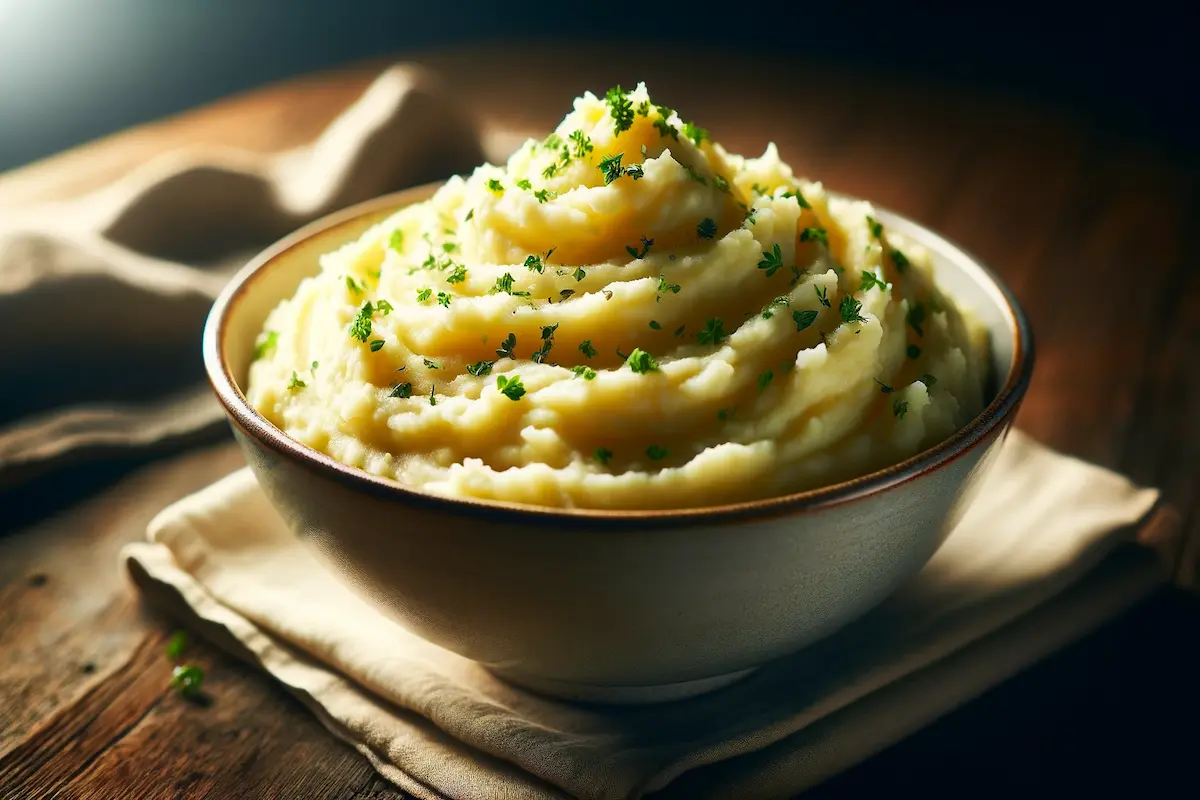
pixel 470 215
pixel 187 679
pixel 713 332
pixel 296 384
pixel 177 644
pixel 565 293
pixel 656 453
pixel 583 144
pixel 822 295
pixel 765 379
pixel 772 261
pixel 760 190
pixel 679 330
pixel 654 326
pixel 584 371
pixel 458 275
pixel 664 287
pixel 603 455
pixel 643 110
pixel 804 319
pixel 883 387
pixel 870 281
pixel 534 263
pixel 552 142
pixel 432 397
pixel 511 388
pixel 543 195
pixel 769 312
pixel 635 171
pixel 916 318
pixel 524 183
pixel 586 348
pixel 665 128
pixel 550 171
pixel 402 390
pixel 360 328
pixel 495 186
pixel 707 228
pixel 611 167
pixel 800 201
pixel 641 362
pixel 540 354
pixel 635 253
pixel 928 380
pixel 694 174
pixel 449 247
pixel 505 284
pixel 815 235
pixel 695 133
pixel 396 241
pixel 377 345
pixel 424 294
pixel 267 345
pixel 620 108
pixel 849 308
pixel 480 368
pixel 383 307
pixel 875 226
pixel 430 364
pixel 506 346
pixel 579 274
pixel 913 352
pixel 353 285
pixel 900 408
pixel 720 183
pixel 443 299
pixel 900 260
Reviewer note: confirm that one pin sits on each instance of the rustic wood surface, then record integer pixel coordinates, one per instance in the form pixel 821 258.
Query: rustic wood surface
pixel 1088 228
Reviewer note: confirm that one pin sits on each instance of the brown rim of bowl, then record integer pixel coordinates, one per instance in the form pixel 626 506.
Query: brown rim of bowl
pixel 990 421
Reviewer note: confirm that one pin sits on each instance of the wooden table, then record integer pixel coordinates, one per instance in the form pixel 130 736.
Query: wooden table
pixel 1088 228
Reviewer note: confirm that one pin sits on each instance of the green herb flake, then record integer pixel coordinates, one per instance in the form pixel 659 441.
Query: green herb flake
pixel 539 355
pixel 875 226
pixel 764 379
pixel 713 332
pixel 377 345
pixel 916 318
pixel 402 390
pixel 611 167
pixel 495 186
pixel 620 108
pixel 396 241
pixel 177 644
pixel 695 133
pixel 187 680
pixel 603 455
pixel 507 346
pixel 354 286
pixel 424 294
pixel 524 183
pixel 458 275
pixel 849 308
pixel 661 124
pixel 769 311
pixel 266 345
pixel 543 195
pixel 815 235
pixel 772 261
pixel 432 396
pixel 900 260
pixel 360 328
pixel 583 144
pixel 707 228
pixel 534 264
pixel 913 352
pixel 656 453
pixel 640 254
pixel 585 372
pixel 512 388
pixel 870 281
pixel 679 330
pixel 579 274
pixel 443 299
pixel 823 295
pixel 804 319
pixel 383 307
pixel 664 287
pixel 430 364
pixel 470 215
pixel 480 368
pixel 900 408
pixel 641 362
pixel 654 326
pixel 552 142
pixel 586 348
pixel 883 387
pixel 928 380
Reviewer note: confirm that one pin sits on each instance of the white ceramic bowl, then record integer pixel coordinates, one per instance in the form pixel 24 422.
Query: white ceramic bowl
pixel 614 606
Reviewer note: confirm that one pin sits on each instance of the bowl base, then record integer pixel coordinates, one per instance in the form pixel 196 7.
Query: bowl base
pixel 621 695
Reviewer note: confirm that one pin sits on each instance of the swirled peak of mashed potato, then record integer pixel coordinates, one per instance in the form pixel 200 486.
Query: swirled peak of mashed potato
pixel 625 316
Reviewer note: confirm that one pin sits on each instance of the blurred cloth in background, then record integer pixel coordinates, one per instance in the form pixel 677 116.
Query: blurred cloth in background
pixel 73 70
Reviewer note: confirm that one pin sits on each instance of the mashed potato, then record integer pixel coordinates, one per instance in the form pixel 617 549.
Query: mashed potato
pixel 623 316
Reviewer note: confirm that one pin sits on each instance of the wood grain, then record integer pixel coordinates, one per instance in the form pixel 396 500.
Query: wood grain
pixel 1089 229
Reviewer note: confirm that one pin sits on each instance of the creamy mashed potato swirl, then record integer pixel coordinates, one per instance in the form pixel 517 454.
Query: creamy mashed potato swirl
pixel 623 316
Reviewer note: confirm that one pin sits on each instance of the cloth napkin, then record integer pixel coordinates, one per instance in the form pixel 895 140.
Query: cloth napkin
pixel 1037 560
pixel 115 286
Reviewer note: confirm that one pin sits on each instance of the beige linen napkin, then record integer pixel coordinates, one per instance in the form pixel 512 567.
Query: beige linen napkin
pixel 989 602
pixel 113 288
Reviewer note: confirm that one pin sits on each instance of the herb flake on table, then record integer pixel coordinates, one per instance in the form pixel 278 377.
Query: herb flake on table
pixel 187 679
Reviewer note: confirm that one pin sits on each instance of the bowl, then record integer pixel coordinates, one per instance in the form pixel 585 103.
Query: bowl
pixel 614 606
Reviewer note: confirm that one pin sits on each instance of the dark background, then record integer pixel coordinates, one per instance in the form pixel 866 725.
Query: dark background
pixel 73 70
